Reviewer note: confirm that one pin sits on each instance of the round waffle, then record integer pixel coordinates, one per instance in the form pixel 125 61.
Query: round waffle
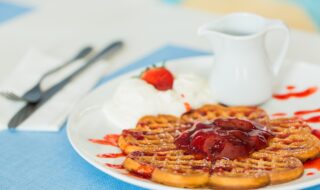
pixel 153 154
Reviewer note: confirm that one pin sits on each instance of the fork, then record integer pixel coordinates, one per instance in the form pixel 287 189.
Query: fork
pixel 35 93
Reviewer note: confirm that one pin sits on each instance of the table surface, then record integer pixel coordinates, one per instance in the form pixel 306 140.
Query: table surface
pixel 59 27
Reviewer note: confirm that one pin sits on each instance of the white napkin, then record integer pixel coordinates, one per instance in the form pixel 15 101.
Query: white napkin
pixel 53 113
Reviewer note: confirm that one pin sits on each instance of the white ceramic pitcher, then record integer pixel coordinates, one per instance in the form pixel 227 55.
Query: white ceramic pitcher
pixel 242 72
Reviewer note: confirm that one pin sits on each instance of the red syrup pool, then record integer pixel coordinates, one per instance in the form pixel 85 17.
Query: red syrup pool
pixel 224 138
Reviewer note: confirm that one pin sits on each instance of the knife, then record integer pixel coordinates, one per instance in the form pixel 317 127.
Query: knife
pixel 30 108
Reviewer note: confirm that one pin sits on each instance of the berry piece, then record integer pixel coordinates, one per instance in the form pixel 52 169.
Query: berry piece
pixel 160 77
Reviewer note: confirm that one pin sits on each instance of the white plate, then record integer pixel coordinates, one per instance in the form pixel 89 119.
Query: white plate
pixel 87 120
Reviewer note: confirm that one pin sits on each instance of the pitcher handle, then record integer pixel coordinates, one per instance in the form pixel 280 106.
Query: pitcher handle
pixel 278 25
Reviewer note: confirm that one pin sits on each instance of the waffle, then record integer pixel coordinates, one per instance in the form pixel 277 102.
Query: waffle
pixel 153 154
pixel 211 112
pixel 151 134
pixel 293 138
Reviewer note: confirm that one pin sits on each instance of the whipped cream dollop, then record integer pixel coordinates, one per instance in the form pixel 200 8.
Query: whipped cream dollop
pixel 135 98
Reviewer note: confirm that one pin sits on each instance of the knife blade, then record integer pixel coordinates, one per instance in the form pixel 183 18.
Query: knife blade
pixel 30 108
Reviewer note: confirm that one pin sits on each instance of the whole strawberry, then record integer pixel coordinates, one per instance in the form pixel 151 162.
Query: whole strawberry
pixel 160 77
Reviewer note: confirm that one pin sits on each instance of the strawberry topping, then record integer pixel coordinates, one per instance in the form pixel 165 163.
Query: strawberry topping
pixel 224 138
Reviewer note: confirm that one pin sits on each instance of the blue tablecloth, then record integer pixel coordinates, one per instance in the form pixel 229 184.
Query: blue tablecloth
pixel 37 160
pixel 9 10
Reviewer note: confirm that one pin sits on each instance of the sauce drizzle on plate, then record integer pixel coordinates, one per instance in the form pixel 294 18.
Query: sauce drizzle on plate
pixel 316 133
pixel 111 140
pixel 302 94
pixel 115 166
pixel 310 174
pixel 280 114
pixel 290 87
pixel 111 155
pixel 312 164
pixel 314 119
pixel 304 112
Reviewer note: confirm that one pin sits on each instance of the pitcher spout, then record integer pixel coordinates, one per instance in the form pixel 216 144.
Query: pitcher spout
pixel 209 32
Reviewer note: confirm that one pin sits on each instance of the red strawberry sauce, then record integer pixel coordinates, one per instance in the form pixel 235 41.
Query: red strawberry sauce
pixel 224 138
pixel 316 132
pixel 280 114
pixel 314 119
pixel 304 112
pixel 111 155
pixel 305 93
pixel 115 166
pixel 290 87
pixel 312 164
pixel 111 140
